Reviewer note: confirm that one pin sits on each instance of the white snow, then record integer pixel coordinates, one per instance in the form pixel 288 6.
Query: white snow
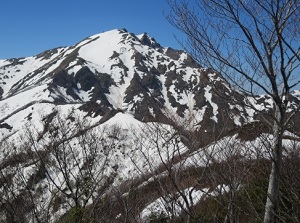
pixel 208 96
pixel 17 101
pixel 175 204
pixel 123 120
pixel 4 62
pixel 19 72
pixel 98 51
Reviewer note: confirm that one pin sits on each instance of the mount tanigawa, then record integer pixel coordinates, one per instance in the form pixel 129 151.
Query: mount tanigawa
pixel 113 72
pixel 117 128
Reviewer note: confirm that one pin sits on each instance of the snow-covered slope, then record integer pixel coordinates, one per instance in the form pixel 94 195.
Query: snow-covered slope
pixel 115 110
pixel 116 71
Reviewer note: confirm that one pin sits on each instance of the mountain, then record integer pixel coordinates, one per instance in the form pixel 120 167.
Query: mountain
pixel 111 90
pixel 113 72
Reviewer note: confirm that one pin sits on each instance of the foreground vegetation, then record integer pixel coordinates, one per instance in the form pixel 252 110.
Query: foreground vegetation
pixel 68 174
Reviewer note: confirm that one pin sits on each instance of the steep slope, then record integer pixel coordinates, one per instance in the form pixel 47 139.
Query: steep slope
pixel 118 71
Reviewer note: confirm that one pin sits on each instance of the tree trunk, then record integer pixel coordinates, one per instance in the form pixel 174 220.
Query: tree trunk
pixel 272 203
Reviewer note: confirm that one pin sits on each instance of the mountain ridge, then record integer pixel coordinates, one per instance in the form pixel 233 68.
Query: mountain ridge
pixel 115 70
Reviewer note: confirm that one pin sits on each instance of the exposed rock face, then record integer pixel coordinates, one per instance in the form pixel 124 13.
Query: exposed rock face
pixel 148 41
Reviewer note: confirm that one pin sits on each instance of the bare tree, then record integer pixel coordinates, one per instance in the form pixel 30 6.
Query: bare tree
pixel 20 199
pixel 162 154
pixel 185 180
pixel 255 46
pixel 75 159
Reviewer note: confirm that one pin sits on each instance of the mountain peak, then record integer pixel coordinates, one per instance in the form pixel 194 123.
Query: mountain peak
pixel 148 40
pixel 111 72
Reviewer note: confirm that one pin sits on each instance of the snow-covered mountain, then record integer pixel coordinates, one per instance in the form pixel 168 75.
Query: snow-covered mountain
pixel 151 106
pixel 117 71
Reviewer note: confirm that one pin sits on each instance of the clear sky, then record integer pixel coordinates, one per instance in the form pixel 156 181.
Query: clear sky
pixel 29 27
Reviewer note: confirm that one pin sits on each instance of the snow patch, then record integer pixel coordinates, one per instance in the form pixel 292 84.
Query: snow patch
pixel 208 97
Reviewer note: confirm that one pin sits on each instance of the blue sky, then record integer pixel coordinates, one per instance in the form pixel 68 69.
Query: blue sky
pixel 29 27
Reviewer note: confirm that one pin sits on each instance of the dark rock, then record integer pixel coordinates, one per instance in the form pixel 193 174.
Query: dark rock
pixel 86 78
pixel 5 126
pixel 1 92
pixel 63 79
pixel 174 54
pixel 148 41
pixel 47 54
